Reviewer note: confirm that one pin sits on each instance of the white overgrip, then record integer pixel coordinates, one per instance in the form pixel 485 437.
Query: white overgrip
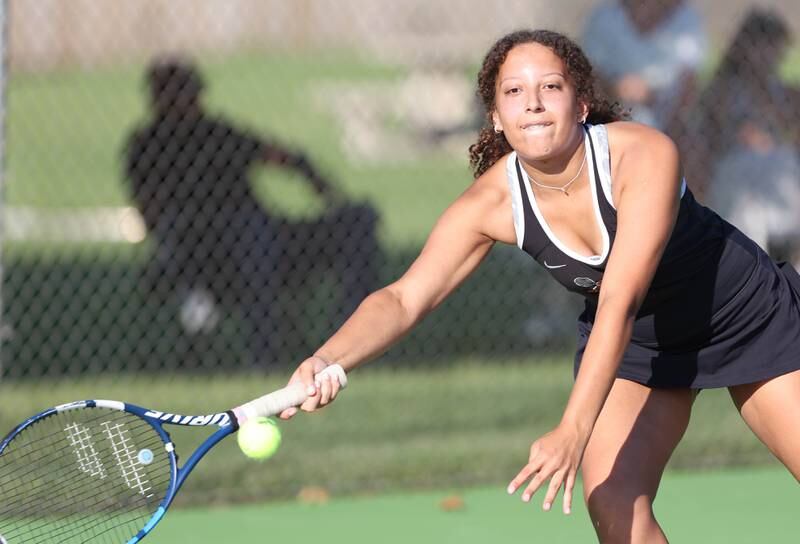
pixel 292 395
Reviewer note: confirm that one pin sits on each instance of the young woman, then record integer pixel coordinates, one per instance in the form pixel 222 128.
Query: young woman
pixel 676 299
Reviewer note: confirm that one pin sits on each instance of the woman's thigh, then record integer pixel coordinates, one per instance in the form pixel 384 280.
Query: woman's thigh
pixel 772 410
pixel 631 443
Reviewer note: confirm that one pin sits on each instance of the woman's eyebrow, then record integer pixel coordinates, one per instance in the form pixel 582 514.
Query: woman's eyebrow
pixel 559 74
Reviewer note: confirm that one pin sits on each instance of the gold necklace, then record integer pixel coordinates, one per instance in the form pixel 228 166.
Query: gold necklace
pixel 563 188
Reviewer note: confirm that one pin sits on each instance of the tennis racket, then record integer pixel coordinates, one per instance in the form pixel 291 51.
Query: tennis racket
pixel 106 471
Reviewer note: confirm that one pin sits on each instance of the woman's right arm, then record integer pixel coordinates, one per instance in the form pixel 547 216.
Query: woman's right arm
pixel 460 240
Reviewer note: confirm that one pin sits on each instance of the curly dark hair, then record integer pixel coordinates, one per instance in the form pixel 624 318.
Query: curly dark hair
pixel 491 146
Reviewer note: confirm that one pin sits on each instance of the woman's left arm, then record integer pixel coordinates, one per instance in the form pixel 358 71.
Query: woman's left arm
pixel 647 196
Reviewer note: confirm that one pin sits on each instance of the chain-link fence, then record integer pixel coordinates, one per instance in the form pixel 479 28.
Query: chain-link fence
pixel 214 186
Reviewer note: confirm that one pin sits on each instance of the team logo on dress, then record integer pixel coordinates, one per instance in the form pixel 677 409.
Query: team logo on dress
pixel 587 283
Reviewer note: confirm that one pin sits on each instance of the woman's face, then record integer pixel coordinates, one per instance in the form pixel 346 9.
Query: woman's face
pixel 536 105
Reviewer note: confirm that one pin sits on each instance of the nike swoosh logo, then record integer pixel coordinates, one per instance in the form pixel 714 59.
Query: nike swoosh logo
pixel 553 266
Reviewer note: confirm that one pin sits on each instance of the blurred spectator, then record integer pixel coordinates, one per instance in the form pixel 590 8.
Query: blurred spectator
pixel 742 137
pixel 216 245
pixel 647 54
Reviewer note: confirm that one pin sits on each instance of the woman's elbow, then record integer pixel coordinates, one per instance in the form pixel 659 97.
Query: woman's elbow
pixel 402 301
pixel 623 305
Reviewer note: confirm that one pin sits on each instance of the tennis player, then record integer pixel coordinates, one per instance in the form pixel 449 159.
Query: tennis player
pixel 677 300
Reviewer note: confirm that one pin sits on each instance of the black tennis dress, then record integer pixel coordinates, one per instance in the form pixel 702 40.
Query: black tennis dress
pixel 719 311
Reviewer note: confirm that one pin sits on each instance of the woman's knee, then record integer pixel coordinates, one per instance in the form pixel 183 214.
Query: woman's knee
pixel 615 496
pixel 621 513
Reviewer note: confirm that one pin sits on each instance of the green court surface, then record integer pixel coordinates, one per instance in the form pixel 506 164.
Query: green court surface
pixel 726 507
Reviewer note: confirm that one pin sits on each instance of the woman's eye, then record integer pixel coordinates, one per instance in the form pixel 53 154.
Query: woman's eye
pixel 552 86
pixel 513 90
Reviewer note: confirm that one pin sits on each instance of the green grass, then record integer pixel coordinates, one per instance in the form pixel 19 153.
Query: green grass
pixel 724 507
pixel 731 507
pixel 469 424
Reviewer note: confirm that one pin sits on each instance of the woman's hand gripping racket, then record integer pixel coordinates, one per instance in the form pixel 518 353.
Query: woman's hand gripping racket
pixel 106 471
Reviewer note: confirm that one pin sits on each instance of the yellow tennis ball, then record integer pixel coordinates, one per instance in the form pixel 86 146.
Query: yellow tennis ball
pixel 259 438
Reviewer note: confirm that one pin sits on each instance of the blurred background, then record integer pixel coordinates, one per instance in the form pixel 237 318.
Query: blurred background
pixel 195 193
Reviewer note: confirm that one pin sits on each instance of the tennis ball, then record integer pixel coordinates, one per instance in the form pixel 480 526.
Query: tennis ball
pixel 259 438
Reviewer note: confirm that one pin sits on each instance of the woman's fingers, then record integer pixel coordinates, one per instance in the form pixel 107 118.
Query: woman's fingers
pixel 321 390
pixel 327 388
pixel 335 387
pixel 310 404
pixel 324 387
pixel 539 470
pixel 538 479
pixel 568 491
pixel 526 472
pixel 558 476
pixel 556 481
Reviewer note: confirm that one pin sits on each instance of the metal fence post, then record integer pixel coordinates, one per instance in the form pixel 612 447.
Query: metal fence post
pixel 3 85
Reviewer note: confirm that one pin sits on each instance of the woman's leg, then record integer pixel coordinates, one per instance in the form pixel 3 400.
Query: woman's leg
pixel 632 441
pixel 772 410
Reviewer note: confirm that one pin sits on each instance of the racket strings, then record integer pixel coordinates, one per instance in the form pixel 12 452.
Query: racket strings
pixel 28 486
pixel 54 492
pixel 84 475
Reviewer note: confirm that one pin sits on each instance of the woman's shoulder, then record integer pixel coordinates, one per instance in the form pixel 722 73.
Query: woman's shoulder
pixel 492 184
pixel 492 201
pixel 629 137
pixel 484 206
pixel 633 131
pixel 635 148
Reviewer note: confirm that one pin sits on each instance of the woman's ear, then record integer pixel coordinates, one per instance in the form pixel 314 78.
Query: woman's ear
pixel 583 112
pixel 498 126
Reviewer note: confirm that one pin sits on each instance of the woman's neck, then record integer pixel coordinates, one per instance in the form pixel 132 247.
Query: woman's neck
pixel 559 171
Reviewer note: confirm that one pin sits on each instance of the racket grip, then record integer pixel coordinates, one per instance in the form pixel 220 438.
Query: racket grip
pixel 292 395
